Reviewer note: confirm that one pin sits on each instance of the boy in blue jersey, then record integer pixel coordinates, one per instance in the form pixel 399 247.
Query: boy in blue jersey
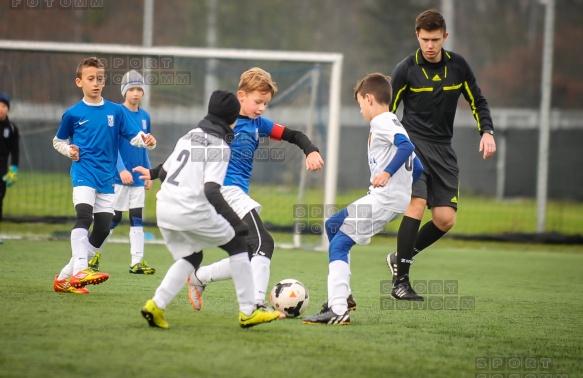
pixel 129 188
pixel 89 135
pixel 393 169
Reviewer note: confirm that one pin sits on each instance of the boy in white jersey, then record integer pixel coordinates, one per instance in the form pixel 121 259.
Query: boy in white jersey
pixel 129 188
pixel 393 167
pixel 192 213
pixel 89 135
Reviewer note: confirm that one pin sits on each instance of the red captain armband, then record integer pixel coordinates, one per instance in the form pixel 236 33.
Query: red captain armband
pixel 276 132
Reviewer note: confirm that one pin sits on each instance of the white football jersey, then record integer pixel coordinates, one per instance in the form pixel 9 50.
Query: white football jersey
pixel 394 196
pixel 198 158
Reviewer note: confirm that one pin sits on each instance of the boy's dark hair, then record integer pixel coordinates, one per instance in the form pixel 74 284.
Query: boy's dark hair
pixel 377 85
pixel 88 62
pixel 430 20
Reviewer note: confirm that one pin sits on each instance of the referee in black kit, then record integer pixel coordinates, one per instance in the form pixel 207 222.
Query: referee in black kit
pixel 429 82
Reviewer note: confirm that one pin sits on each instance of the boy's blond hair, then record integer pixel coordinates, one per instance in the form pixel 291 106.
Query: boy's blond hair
pixel 88 62
pixel 257 79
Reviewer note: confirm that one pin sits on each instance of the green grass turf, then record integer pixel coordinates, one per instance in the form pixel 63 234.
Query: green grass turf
pixel 528 303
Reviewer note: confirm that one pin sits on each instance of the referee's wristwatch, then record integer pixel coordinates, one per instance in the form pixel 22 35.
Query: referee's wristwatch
pixel 491 132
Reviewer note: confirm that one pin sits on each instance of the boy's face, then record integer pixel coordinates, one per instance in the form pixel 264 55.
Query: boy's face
pixel 253 104
pixel 3 111
pixel 91 83
pixel 431 43
pixel 134 96
pixel 365 103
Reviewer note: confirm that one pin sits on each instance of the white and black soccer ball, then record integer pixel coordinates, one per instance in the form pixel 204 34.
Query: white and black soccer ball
pixel 289 296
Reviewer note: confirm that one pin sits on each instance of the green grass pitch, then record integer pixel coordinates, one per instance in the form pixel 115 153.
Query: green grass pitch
pixel 522 305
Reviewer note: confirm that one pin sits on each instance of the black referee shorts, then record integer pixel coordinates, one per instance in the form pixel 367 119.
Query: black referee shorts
pixel 439 183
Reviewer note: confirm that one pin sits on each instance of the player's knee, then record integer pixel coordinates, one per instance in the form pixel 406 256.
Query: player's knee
pixel 261 244
pixel 136 219
pixel 444 224
pixel 195 259
pixel 340 247
pixel 332 226
pixel 267 245
pixel 235 246
pixel 84 216
pixel 116 219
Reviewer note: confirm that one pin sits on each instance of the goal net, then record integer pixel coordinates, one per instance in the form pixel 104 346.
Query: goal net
pixel 40 78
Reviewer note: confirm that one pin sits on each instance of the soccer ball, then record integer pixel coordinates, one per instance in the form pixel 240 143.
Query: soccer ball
pixel 289 296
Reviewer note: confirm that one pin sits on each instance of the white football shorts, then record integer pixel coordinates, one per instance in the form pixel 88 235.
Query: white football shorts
pixel 213 232
pixel 101 202
pixel 366 218
pixel 239 201
pixel 129 197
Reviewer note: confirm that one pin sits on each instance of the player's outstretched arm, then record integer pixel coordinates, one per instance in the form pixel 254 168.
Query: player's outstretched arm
pixel 144 172
pixel 314 161
pixel 152 173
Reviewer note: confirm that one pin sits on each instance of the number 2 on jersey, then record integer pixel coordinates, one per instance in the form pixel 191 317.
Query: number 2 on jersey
pixel 183 157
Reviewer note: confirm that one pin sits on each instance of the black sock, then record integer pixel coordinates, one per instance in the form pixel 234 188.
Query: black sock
pixel 406 237
pixel 428 234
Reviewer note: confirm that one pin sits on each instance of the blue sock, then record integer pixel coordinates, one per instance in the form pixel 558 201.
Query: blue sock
pixel 340 247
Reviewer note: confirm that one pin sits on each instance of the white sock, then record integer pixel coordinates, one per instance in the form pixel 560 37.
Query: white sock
pixel 136 244
pixel 172 283
pixel 243 281
pixel 219 271
pixel 67 271
pixel 260 266
pixel 79 243
pixel 338 286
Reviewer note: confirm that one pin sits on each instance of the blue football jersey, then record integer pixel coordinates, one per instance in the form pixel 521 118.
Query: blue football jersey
pixel 95 129
pixel 132 156
pixel 243 146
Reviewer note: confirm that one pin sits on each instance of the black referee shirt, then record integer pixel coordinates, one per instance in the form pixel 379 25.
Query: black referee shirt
pixel 430 93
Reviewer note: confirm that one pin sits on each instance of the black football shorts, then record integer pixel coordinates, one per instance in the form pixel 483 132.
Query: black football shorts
pixel 439 183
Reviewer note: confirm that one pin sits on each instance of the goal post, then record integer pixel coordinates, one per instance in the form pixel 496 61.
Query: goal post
pixel 333 61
